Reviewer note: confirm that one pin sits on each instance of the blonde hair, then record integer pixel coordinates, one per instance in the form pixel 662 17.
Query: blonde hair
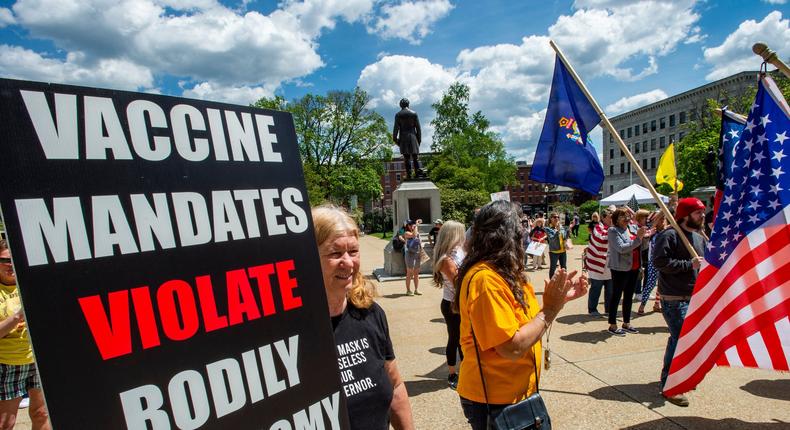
pixel 451 235
pixel 330 222
pixel 595 217
pixel 641 215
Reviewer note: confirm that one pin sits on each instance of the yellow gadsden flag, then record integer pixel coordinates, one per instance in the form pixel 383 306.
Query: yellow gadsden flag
pixel 666 173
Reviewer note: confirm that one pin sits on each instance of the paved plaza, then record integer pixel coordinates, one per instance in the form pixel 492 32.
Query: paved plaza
pixel 596 381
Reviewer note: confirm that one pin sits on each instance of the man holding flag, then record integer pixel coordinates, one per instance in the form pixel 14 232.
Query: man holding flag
pixel 739 314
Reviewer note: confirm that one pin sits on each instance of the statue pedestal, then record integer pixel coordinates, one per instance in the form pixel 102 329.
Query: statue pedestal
pixel 413 199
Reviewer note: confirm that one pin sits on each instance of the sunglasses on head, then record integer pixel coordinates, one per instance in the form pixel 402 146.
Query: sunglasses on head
pixel 5 261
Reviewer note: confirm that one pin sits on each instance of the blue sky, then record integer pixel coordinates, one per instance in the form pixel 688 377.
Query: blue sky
pixel 629 53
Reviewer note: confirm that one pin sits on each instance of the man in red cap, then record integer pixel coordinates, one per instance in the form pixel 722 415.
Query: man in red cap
pixel 677 273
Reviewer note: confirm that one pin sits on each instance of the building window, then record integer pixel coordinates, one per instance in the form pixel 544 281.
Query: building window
pixel 682 118
pixel 397 177
pixel 693 114
pixel 636 130
pixel 671 138
pixel 629 132
pixel 386 190
pixel 611 139
pixel 662 123
pixel 662 142
pixel 622 167
pixel 652 144
pixel 636 148
pixel 611 153
pixel 622 154
pixel 644 164
pixel 653 125
pixel 653 163
pixel 672 120
pixel 611 189
pixel 611 169
pixel 628 168
pixel 644 146
pixel 622 134
pixel 680 136
pixel 644 128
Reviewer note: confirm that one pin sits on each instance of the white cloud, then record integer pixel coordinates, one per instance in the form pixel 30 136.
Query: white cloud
pixel 510 83
pixel 240 95
pixel 410 20
pixel 203 40
pixel 632 102
pixel 20 63
pixel 735 53
pixel 6 17
pixel 775 1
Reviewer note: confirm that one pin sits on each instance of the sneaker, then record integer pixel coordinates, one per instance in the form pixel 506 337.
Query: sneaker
pixel 452 380
pixel 24 403
pixel 417 293
pixel 630 329
pixel 616 332
pixel 594 314
pixel 409 293
pixel 677 400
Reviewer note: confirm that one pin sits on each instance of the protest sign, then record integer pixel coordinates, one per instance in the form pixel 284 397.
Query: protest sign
pixel 501 195
pixel 165 255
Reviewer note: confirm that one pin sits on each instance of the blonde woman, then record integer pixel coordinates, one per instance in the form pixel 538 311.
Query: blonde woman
pixel 448 254
pixel 355 316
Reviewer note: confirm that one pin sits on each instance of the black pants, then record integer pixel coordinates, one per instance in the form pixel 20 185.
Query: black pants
pixel 623 284
pixel 477 413
pixel 453 322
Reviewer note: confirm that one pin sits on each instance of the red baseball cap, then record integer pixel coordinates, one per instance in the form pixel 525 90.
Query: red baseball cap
pixel 686 206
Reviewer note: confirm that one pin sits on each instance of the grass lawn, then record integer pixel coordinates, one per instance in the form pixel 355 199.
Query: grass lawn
pixel 381 235
pixel 583 236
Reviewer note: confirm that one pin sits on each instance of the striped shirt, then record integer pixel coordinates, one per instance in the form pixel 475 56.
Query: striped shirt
pixel 596 253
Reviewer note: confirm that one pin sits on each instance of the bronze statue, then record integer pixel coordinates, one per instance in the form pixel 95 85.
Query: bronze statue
pixel 406 134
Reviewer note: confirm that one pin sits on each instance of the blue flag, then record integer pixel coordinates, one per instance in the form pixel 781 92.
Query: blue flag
pixel 565 155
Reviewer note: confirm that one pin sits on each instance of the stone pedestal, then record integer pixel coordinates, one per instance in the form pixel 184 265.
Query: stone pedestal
pixel 414 199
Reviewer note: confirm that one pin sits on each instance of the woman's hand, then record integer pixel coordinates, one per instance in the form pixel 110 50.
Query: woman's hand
pixel 561 289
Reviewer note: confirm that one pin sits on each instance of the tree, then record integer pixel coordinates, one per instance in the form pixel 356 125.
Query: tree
pixel 587 208
pixel 470 160
pixel 342 143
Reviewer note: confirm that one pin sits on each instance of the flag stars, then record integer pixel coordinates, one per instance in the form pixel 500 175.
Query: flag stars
pixel 775 188
pixel 754 205
pixel 764 120
pixel 733 133
pixel 723 255
pixel 757 173
pixel 750 125
pixel 748 144
pixel 781 137
pixel 727 215
pixel 758 157
pixel 730 183
pixel 754 219
pixel 754 106
pixel 774 204
pixel 725 230
pixel 736 237
pixel 778 172
pixel 778 155
pixel 756 189
pixel 710 246
pixel 761 138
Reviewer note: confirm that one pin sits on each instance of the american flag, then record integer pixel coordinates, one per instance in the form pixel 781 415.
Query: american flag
pixel 732 126
pixel 739 314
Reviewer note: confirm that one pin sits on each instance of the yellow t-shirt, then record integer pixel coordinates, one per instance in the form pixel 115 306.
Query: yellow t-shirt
pixel 15 346
pixel 496 316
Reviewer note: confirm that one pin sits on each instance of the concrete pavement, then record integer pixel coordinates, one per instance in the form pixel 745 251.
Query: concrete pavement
pixel 596 380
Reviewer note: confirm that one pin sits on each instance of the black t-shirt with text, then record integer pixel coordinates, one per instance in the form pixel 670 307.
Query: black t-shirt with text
pixel 363 346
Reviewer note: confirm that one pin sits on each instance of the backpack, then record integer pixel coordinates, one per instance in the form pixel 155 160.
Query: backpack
pixel 397 244
pixel 414 244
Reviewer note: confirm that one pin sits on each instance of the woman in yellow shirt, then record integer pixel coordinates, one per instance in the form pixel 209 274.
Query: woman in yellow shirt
pixel 496 301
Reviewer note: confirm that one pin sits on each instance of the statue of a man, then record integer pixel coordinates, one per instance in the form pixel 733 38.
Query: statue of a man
pixel 406 134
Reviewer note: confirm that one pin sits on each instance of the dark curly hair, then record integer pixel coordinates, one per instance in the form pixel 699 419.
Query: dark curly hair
pixel 497 239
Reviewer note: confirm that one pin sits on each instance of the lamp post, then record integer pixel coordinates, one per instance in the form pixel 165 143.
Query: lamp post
pixel 546 194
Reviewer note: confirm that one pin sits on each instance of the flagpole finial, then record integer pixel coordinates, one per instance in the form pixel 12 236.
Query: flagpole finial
pixel 769 56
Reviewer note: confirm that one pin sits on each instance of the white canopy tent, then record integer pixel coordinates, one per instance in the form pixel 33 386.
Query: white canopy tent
pixel 621 197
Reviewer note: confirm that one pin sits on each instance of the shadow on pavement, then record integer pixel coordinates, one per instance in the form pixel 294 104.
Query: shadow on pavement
pixel 435 380
pixel 642 393
pixel 602 335
pixel 437 350
pixel 706 423
pixel 776 389
pixel 394 295
pixel 438 320
pixel 577 319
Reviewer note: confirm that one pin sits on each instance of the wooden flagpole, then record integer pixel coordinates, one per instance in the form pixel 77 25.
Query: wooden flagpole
pixel 624 148
pixel 770 56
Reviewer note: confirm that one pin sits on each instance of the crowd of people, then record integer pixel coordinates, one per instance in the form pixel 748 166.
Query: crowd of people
pixel 494 320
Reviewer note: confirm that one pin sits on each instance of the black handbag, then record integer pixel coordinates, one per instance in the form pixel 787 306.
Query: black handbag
pixel 528 414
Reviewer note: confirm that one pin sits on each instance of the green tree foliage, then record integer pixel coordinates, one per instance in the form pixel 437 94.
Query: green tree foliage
pixel 470 159
pixel 587 208
pixel 342 143
pixel 696 160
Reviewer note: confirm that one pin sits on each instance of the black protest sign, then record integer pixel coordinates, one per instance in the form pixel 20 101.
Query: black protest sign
pixel 165 255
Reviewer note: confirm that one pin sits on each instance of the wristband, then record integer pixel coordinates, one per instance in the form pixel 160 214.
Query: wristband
pixel 546 324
